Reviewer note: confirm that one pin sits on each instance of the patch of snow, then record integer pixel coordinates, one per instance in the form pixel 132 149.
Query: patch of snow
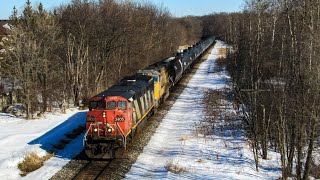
pixel 7 26
pixel 19 137
pixel 224 155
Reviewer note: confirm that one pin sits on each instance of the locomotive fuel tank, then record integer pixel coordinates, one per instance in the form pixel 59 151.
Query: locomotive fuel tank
pixel 175 69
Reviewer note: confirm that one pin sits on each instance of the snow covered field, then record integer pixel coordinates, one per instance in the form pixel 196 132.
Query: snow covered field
pixel 19 137
pixel 225 155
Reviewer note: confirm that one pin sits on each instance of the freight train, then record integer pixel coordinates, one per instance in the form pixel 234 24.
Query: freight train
pixel 118 113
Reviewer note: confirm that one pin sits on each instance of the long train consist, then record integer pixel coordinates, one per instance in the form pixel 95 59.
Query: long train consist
pixel 118 113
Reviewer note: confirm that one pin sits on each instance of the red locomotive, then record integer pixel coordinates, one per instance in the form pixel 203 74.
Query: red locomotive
pixel 115 114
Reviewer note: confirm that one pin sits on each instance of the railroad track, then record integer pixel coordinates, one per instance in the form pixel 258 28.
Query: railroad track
pixel 92 170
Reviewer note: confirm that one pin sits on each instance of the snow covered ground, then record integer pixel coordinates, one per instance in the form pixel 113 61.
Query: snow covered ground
pixel 225 155
pixel 19 137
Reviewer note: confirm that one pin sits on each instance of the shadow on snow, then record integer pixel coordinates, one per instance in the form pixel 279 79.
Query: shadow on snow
pixel 55 135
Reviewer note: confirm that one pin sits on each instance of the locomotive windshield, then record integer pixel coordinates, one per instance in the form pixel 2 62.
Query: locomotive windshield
pixel 92 105
pixel 122 105
pixel 111 105
pixel 97 105
pixel 101 105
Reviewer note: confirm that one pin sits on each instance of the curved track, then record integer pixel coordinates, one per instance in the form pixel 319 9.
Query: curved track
pixel 92 170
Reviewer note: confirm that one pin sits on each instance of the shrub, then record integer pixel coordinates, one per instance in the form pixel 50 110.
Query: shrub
pixel 32 162
pixel 175 168
pixel 183 138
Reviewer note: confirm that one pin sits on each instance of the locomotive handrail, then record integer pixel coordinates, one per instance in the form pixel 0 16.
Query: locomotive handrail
pixel 123 136
pixel 86 134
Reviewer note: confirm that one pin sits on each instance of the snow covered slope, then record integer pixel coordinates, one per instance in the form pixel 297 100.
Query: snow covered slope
pixel 19 137
pixel 225 155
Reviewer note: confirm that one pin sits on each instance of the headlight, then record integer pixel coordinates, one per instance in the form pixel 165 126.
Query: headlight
pixel 104 115
pixel 109 130
pixel 95 130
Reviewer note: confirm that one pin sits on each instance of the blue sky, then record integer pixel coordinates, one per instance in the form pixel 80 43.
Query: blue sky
pixel 199 7
pixel 176 7
pixel 6 6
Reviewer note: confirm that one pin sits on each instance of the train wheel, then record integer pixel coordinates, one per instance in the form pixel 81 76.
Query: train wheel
pixel 94 152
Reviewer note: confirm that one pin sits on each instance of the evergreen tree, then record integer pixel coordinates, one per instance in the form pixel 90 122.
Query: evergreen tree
pixel 14 16
pixel 27 15
pixel 27 12
pixel 40 9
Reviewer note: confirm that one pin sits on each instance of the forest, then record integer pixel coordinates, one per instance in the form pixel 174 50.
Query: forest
pixel 80 49
pixel 84 47
pixel 275 77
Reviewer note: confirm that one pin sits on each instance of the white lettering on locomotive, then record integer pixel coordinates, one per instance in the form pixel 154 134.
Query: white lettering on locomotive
pixel 119 119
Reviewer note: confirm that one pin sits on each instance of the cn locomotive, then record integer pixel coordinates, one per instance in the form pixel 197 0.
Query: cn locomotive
pixel 118 113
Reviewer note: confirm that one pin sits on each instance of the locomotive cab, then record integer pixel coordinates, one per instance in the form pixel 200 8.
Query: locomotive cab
pixel 107 112
pixel 108 122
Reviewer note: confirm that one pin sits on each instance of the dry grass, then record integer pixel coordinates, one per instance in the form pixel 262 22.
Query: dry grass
pixel 223 52
pixel 175 168
pixel 200 161
pixel 32 162
pixel 183 138
pixel 221 62
pixel 213 110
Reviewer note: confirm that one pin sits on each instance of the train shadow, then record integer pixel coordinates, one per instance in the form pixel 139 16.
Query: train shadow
pixel 58 139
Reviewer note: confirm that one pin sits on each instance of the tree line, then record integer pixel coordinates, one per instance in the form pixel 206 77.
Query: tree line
pixel 82 48
pixel 275 73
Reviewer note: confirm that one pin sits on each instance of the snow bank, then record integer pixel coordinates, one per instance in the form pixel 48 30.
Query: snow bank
pixel 19 137
pixel 224 155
